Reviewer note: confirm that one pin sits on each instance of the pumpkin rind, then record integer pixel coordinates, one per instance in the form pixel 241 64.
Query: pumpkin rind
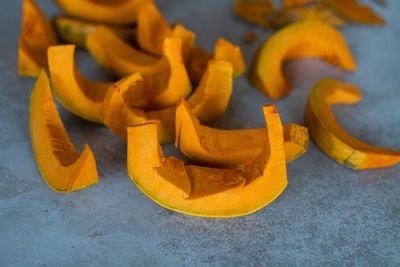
pixel 302 39
pixel 60 165
pixel 36 35
pixel 229 148
pixel 112 12
pixel 265 176
pixel 331 138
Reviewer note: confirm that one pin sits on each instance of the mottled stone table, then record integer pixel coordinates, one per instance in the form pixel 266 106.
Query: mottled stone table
pixel 328 214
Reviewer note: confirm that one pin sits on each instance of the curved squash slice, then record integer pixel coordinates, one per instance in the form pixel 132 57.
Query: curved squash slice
pixel 82 97
pixel 119 58
pixel 60 165
pixel 208 103
pixel 152 29
pixel 75 31
pixel 229 148
pixel 302 39
pixel 332 138
pixel 355 12
pixel 112 12
pixel 223 50
pixel 203 191
pixel 36 35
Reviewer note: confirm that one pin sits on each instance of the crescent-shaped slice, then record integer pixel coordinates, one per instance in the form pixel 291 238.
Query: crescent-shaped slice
pixel 75 31
pixel 229 148
pixel 302 39
pixel 63 169
pixel 82 97
pixel 331 138
pixel 209 101
pixel 203 191
pixel 119 58
pixel 112 12
pixel 36 35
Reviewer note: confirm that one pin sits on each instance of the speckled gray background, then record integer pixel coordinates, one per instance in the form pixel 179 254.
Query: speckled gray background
pixel 328 215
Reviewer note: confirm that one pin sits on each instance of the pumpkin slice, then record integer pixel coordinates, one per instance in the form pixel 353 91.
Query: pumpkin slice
pixel 209 101
pixel 82 97
pixel 354 11
pixel 331 138
pixel 164 88
pixel 119 58
pixel 223 50
pixel 75 31
pixel 112 12
pixel 229 148
pixel 36 35
pixel 203 191
pixel 152 29
pixel 254 11
pixel 302 39
pixel 60 165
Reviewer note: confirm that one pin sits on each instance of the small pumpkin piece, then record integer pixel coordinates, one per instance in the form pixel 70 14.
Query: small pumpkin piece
pixel 300 13
pixel 249 37
pixel 322 41
pixel 75 31
pixel 62 168
pixel 213 192
pixel 118 57
pixel 354 11
pixel 255 12
pixel 36 35
pixel 331 138
pixel 208 102
pixel 82 97
pixel 110 12
pixel 229 148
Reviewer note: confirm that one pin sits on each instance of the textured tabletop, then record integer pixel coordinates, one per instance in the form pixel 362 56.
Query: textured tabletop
pixel 328 214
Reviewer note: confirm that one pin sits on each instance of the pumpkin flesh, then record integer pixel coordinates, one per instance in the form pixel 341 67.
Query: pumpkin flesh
pixel 335 141
pixel 82 97
pixel 229 148
pixel 302 39
pixel 62 168
pixel 112 12
pixel 36 35
pixel 223 193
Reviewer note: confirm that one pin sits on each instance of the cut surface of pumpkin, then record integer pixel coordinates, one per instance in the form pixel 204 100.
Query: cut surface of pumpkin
pixel 112 12
pixel 204 191
pixel 63 169
pixel 229 148
pixel 331 138
pixel 209 101
pixel 82 97
pixel 302 39
pixel 75 31
pixel 36 35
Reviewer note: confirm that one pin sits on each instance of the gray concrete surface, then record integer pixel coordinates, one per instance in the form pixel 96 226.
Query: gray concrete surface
pixel 328 215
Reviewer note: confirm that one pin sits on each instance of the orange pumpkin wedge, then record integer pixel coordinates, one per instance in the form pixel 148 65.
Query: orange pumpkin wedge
pixel 111 12
pixel 354 11
pixel 118 57
pixel 63 169
pixel 152 29
pixel 223 50
pixel 36 35
pixel 82 97
pixel 302 39
pixel 254 11
pixel 75 31
pixel 229 148
pixel 331 138
pixel 203 191
pixel 209 101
